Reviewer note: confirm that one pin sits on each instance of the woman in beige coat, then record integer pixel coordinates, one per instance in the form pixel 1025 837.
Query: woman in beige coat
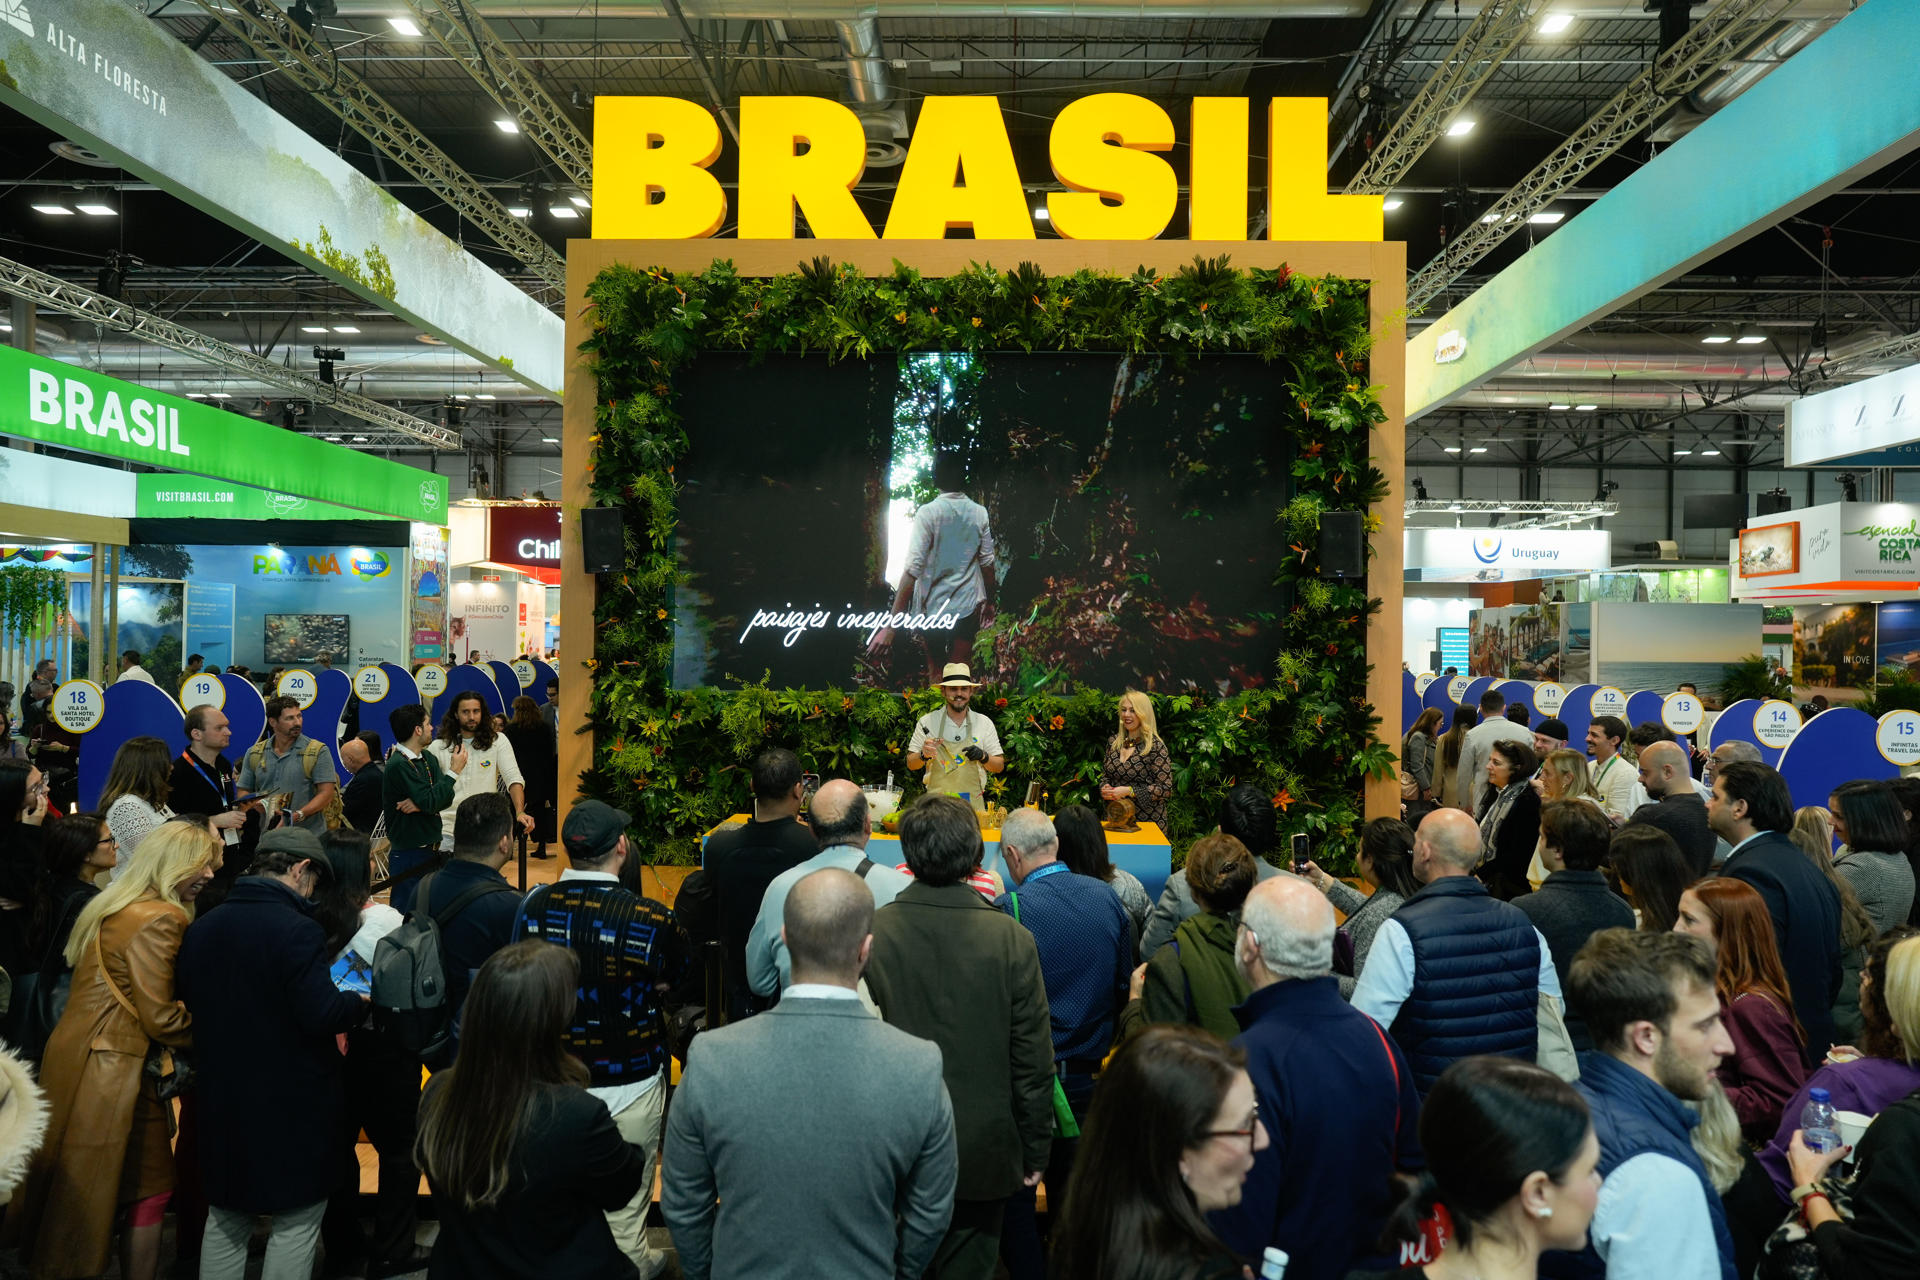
pixel 107 1154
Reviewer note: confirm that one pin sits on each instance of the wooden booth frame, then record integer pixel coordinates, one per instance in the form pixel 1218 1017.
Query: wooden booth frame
pixel 1382 264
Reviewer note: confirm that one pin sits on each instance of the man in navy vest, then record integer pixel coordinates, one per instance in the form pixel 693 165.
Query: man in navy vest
pixel 1649 1003
pixel 1455 972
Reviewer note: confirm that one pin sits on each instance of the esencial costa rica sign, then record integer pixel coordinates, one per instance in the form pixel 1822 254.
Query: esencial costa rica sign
pixel 73 408
pixel 801 156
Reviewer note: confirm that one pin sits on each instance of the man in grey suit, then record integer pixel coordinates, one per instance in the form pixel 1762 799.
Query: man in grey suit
pixel 813 1140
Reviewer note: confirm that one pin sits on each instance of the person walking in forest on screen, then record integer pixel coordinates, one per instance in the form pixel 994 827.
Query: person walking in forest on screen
pixel 957 746
pixel 950 567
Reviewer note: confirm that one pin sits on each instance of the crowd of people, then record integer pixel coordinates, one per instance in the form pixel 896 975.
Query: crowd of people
pixel 1564 1027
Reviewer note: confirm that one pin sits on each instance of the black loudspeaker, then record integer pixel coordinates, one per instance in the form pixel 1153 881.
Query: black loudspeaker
pixel 1343 544
pixel 603 539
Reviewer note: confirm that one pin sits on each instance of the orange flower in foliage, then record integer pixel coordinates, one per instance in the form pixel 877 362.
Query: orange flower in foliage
pixel 846 704
pixel 1284 800
pixel 1332 648
pixel 1314 450
pixel 999 702
pixel 1059 722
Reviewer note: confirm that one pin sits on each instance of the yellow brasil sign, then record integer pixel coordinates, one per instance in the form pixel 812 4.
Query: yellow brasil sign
pixel 803 156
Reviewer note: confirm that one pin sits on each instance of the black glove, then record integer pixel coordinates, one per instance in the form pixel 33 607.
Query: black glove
pixel 976 753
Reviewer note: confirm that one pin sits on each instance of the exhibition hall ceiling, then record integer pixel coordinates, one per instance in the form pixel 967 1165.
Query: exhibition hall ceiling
pixel 1837 276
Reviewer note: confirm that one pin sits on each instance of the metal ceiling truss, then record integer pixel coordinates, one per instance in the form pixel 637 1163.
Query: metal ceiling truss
pixel 465 35
pixel 1515 513
pixel 72 299
pixel 266 29
pixel 1499 29
pixel 1719 37
pixel 1632 441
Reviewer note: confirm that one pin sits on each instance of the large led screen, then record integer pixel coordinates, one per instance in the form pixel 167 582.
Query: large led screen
pixel 1056 521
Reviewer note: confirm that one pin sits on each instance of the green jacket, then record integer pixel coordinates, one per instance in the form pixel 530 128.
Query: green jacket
pixel 949 968
pixel 1192 979
pixel 425 783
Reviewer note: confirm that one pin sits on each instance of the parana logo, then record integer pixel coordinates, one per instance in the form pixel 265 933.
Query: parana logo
pixel 15 12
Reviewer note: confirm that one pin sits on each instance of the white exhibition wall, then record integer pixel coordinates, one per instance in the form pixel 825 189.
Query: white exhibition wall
pixel 1422 617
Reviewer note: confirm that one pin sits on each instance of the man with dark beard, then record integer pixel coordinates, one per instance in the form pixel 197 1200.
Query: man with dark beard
pixel 1649 1004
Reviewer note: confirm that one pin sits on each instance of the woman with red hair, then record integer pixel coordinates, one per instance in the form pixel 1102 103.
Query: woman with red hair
pixel 1768 1064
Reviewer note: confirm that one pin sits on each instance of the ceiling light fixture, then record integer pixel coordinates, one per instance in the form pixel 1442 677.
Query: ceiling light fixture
pixel 520 210
pixel 346 328
pixel 1682 453
pixel 333 439
pixel 1554 23
pixel 53 210
pixel 1559 407
pixel 1461 127
pixel 406 27
pixel 221 395
pixel 1585 408
pixel 1709 453
pixel 484 395
pixel 196 395
pixel 548 440
pixel 564 211
pixel 1716 339
pixel 1452 448
pixel 1479 448
pixel 578 200
pixel 507 126
pixel 1750 339
pixel 313 328
pixel 359 439
pixel 1392 203
pixel 97 210
pixel 1547 217
pixel 1043 214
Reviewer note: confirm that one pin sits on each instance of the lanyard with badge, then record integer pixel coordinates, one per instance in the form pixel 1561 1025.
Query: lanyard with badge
pixel 222 787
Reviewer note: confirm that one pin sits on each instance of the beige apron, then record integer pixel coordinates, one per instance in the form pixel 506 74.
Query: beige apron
pixel 950 772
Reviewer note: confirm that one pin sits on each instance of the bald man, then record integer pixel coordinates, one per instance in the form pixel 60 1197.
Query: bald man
pixel 1455 972
pixel 842 824
pixel 1320 1191
pixel 365 793
pixel 1674 804
pixel 815 1084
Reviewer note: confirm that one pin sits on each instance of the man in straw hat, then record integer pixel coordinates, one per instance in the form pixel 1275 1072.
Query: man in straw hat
pixel 957 746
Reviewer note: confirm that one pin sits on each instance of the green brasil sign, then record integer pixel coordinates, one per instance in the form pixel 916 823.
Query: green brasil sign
pixel 71 408
pixel 176 497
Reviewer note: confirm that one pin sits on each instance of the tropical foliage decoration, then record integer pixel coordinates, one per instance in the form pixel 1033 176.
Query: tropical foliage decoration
pixel 676 759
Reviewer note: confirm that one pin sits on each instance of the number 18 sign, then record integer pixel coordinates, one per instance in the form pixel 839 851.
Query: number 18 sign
pixel 79 705
pixel 1898 737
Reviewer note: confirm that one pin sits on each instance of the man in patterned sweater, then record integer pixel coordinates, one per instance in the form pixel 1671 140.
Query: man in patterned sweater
pixel 630 953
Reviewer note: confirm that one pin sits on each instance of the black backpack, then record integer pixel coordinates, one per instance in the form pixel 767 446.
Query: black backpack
pixel 409 982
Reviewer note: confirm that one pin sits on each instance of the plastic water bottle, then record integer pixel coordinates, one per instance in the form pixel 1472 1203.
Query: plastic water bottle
pixel 1818 1126
pixel 1273 1264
